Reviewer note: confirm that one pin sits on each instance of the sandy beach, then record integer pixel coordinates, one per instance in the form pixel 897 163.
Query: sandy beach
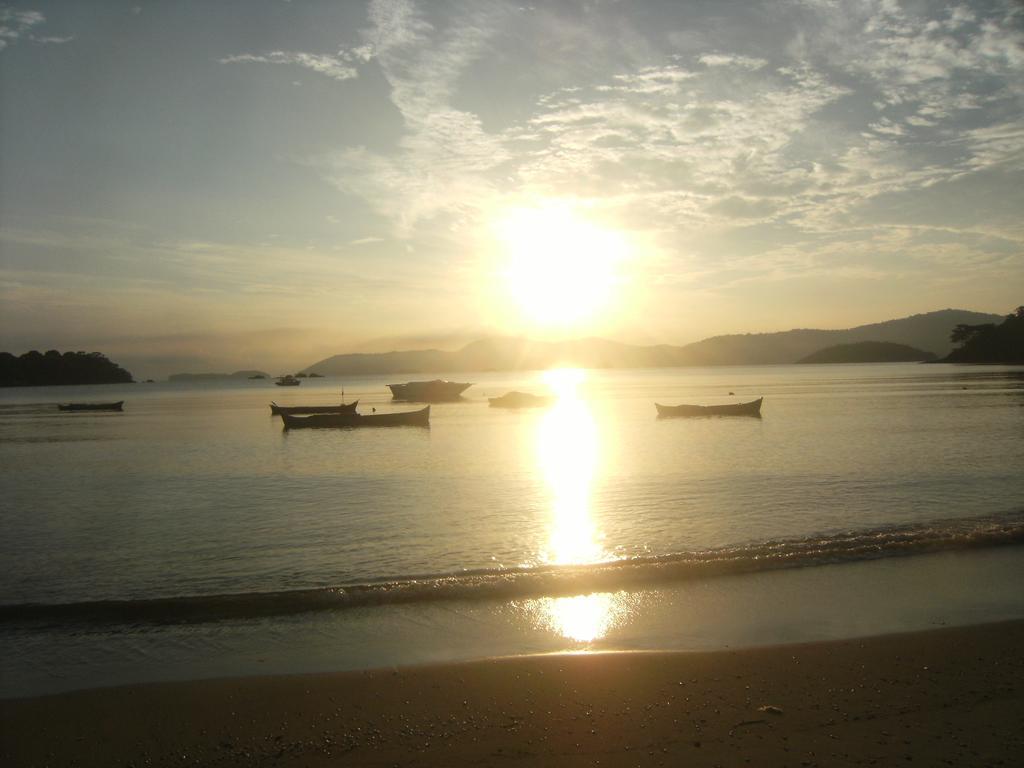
pixel 944 697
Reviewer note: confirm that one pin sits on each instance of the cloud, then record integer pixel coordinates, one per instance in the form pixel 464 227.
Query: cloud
pixel 732 60
pixel 20 25
pixel 440 166
pixel 664 80
pixel 337 66
pixel 712 152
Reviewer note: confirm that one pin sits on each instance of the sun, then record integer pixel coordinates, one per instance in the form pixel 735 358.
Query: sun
pixel 558 268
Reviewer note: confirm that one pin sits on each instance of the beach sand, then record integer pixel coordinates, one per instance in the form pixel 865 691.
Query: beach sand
pixel 944 697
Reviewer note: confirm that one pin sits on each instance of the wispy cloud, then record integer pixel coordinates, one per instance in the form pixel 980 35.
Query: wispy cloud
pixel 442 160
pixel 21 25
pixel 864 138
pixel 874 100
pixel 732 60
pixel 338 66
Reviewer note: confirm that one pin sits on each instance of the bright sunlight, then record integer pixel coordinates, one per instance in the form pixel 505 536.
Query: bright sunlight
pixel 568 450
pixel 559 268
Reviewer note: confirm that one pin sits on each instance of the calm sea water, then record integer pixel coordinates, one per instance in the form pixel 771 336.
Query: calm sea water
pixel 196 490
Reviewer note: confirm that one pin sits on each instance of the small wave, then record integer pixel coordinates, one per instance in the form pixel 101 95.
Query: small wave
pixel 519 583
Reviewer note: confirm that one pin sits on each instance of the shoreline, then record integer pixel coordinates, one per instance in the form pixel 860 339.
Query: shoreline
pixel 943 696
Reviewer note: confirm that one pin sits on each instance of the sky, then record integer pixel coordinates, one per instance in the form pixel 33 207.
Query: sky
pixel 196 186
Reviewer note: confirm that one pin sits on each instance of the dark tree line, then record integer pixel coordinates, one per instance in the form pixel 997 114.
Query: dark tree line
pixel 990 343
pixel 34 369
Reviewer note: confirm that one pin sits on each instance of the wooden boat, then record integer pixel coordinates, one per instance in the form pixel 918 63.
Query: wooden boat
pixel 753 408
pixel 288 381
pixel 520 400
pixel 118 406
pixel 434 391
pixel 420 418
pixel 297 409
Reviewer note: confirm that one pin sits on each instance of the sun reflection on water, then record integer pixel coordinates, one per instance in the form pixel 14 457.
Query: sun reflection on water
pixel 568 450
pixel 583 618
pixel 569 454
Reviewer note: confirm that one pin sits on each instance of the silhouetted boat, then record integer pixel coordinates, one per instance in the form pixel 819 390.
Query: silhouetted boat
pixel 753 408
pixel 288 381
pixel 428 391
pixel 520 400
pixel 420 418
pixel 118 406
pixel 296 409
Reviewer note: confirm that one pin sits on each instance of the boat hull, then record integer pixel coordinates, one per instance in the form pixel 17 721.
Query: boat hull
pixel 307 409
pixel 436 391
pixel 118 406
pixel 753 408
pixel 420 418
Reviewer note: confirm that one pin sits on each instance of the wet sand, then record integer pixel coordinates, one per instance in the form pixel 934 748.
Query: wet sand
pixel 944 697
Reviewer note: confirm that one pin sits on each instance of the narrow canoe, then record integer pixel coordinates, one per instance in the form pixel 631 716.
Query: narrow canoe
pixel 118 406
pixel 297 409
pixel 420 418
pixel 753 408
pixel 520 400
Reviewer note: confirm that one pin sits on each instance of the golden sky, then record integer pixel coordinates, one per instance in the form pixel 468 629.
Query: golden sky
pixel 195 186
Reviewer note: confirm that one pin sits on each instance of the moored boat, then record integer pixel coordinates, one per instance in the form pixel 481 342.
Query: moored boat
pixel 753 408
pixel 420 418
pixel 434 391
pixel 287 381
pixel 305 409
pixel 520 400
pixel 118 406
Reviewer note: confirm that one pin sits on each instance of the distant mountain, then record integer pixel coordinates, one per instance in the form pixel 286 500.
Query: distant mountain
pixel 500 354
pixel 869 352
pixel 34 369
pixel 213 376
pixel 988 343
pixel 928 332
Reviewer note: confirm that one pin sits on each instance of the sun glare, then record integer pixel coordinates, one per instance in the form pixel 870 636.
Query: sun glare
pixel 559 269
pixel 568 451
pixel 583 618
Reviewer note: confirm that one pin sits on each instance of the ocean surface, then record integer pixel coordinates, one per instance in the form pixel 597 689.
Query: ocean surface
pixel 189 534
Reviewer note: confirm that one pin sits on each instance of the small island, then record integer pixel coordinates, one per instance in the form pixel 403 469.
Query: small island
pixel 869 352
pixel 35 369
pixel 990 344
pixel 216 376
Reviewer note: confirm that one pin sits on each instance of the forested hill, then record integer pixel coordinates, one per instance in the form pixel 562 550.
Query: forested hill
pixel 869 352
pixel 929 332
pixel 34 369
pixel 990 343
